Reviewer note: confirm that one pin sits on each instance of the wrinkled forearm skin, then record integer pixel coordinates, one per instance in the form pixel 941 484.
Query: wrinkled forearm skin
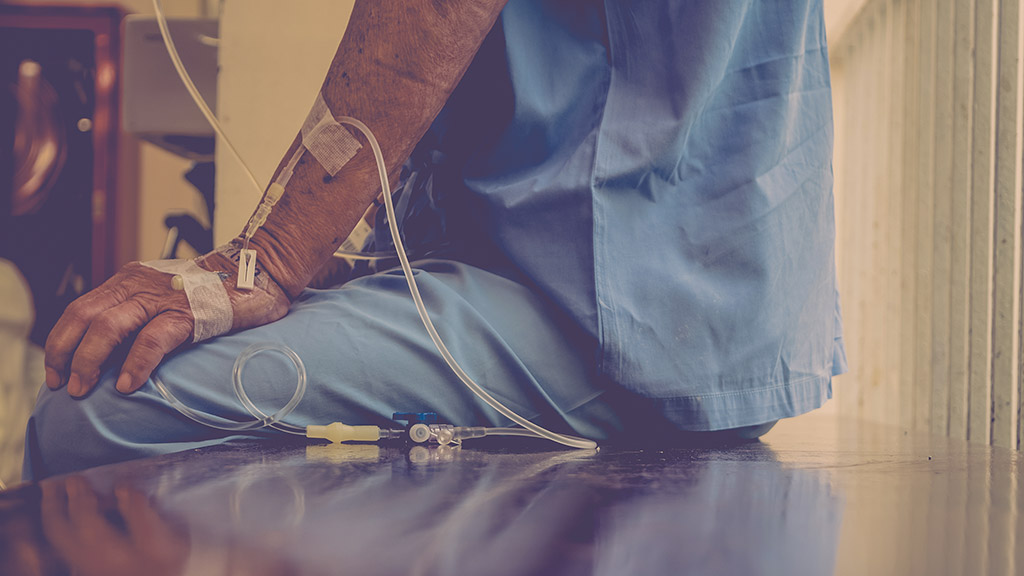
pixel 395 67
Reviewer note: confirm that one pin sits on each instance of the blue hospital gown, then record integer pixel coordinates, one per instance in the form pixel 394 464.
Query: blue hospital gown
pixel 634 204
pixel 667 181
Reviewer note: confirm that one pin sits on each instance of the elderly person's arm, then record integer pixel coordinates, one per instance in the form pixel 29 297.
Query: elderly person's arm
pixel 397 64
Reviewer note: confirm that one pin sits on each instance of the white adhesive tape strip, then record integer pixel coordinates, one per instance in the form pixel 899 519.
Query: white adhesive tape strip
pixel 206 295
pixel 328 141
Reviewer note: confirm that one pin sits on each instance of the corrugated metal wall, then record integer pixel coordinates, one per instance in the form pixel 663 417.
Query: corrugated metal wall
pixel 928 101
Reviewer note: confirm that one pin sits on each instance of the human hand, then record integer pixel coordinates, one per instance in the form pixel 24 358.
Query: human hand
pixel 138 303
pixel 77 524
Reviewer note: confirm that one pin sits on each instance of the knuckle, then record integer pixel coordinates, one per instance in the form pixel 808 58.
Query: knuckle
pixel 75 311
pixel 51 350
pixel 126 271
pixel 55 352
pixel 181 318
pixel 105 324
pixel 149 344
pixel 84 359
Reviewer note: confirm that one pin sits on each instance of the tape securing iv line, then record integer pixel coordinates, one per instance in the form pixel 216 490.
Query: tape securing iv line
pixel 207 297
pixel 327 140
pixel 330 143
pixel 332 157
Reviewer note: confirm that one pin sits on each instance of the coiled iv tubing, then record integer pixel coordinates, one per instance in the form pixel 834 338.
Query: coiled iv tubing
pixel 260 419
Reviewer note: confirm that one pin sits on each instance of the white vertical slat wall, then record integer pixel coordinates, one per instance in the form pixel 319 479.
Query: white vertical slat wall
pixel 929 109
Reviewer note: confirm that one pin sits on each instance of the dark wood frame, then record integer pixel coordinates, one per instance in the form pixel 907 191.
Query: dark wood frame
pixel 106 23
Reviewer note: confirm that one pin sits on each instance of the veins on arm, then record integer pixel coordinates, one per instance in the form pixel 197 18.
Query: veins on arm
pixel 394 69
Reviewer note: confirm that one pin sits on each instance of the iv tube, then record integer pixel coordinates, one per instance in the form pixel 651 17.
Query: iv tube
pixel 261 420
pixel 197 97
pixel 565 440
pixel 194 92
pixel 274 420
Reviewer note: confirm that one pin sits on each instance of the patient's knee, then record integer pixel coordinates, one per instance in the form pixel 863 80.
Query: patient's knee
pixel 66 434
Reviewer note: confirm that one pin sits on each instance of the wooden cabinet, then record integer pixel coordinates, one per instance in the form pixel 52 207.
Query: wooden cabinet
pixel 59 149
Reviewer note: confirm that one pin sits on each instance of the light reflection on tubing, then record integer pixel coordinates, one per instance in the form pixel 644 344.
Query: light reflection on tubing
pixel 274 420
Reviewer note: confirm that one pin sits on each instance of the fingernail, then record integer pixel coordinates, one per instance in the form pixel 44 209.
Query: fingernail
pixel 52 378
pixel 124 383
pixel 75 387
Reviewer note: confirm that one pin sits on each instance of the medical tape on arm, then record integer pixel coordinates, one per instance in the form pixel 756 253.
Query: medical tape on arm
pixel 207 297
pixel 330 143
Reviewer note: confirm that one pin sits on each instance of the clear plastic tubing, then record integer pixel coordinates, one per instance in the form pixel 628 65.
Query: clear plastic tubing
pixel 396 238
pixel 190 86
pixel 510 432
pixel 260 420
pixel 172 51
pixel 274 420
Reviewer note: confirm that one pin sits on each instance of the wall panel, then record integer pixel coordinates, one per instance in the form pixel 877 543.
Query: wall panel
pixel 929 194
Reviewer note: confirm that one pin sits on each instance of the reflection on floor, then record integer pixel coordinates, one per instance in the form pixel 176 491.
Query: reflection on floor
pixel 812 498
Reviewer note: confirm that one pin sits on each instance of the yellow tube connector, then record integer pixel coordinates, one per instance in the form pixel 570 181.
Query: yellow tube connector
pixel 341 432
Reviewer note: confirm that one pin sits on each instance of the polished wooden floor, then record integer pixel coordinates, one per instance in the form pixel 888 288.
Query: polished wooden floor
pixel 812 498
